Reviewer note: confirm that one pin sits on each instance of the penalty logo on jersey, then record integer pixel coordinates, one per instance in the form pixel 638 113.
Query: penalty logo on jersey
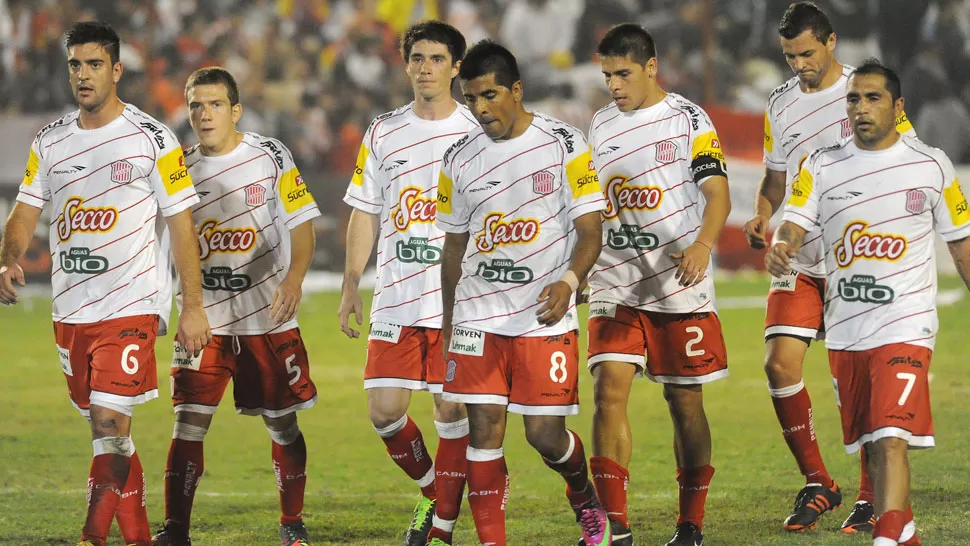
pixel 542 182
pixel 255 195
pixel 121 172
pixel 915 199
pixel 666 152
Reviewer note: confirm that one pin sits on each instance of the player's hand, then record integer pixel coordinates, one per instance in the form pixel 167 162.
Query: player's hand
pixel 10 274
pixel 581 295
pixel 194 333
pixel 693 264
pixel 556 298
pixel 778 259
pixel 350 303
pixel 756 229
pixel 286 300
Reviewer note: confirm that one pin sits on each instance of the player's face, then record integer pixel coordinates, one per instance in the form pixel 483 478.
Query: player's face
pixel 627 80
pixel 871 108
pixel 494 106
pixel 809 58
pixel 212 117
pixel 93 77
pixel 431 69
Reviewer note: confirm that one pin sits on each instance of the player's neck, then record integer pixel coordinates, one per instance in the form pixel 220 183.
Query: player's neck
pixel 109 110
pixel 522 123
pixel 224 147
pixel 652 97
pixel 832 75
pixel 440 107
pixel 885 143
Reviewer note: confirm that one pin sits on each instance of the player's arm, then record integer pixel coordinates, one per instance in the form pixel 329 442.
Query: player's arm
pixel 194 333
pixel 451 255
pixel 589 231
pixel 286 299
pixel 951 219
pixel 17 234
pixel 801 215
pixel 771 194
pixel 695 258
pixel 960 251
pixel 361 233
pixel 788 240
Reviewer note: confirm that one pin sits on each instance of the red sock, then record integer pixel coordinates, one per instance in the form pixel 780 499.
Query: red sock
pixel 488 493
pixel 109 473
pixel 913 540
pixel 451 466
pixel 132 515
pixel 406 447
pixel 890 525
pixel 694 483
pixel 865 484
pixel 794 410
pixel 289 463
pixel 183 472
pixel 572 467
pixel 612 481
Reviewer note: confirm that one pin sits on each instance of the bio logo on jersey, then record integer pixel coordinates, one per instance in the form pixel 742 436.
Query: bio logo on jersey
pixel 171 167
pixel 223 278
pixel 417 250
pixel 864 288
pixel 504 271
pixel 630 236
pixel 498 232
pixel 412 208
pixel 77 218
pixel 293 192
pixel 857 244
pixel 212 239
pixel 619 196
pixel 80 260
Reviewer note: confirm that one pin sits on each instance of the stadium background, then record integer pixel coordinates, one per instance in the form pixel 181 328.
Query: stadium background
pixel 314 73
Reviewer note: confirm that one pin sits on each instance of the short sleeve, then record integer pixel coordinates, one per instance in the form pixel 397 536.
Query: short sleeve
pixel 365 192
pixel 296 203
pixel 706 154
pixel 585 193
pixel 774 154
pixel 903 125
pixel 950 213
pixel 802 208
pixel 451 213
pixel 170 178
pixel 34 188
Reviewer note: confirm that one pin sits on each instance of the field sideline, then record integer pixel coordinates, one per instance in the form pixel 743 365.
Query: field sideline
pixel 355 495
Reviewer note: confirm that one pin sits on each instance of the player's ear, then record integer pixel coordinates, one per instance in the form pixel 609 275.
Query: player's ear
pixel 454 68
pixel 236 112
pixel 517 91
pixel 116 71
pixel 831 43
pixel 899 107
pixel 652 67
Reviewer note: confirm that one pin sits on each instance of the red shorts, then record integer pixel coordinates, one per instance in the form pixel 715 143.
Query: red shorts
pixel 530 375
pixel 796 305
pixel 683 349
pixel 404 357
pixel 270 375
pixel 884 393
pixel 109 363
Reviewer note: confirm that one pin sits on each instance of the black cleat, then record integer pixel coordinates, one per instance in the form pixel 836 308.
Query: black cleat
pixel 812 501
pixel 862 519
pixel 421 521
pixel 294 534
pixel 687 534
pixel 169 537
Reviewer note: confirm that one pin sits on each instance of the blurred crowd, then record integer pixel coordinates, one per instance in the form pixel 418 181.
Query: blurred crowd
pixel 315 72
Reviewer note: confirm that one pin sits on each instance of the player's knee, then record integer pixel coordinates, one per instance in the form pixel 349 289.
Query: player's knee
pixel 684 396
pixel 545 435
pixel 189 432
pixel 107 422
pixel 486 426
pixel 450 412
pixel 383 418
pixel 283 431
pixel 609 402
pixel 782 371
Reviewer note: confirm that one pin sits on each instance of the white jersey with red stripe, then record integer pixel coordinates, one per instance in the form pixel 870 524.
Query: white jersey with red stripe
pixel 397 178
pixel 652 163
pixel 109 190
pixel 877 211
pixel 796 124
pixel 251 198
pixel 517 199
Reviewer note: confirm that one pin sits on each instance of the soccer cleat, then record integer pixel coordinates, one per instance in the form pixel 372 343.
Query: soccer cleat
pixel 687 534
pixel 438 542
pixel 168 537
pixel 862 519
pixel 594 523
pixel 85 543
pixel 417 534
pixel 812 501
pixel 622 536
pixel 294 534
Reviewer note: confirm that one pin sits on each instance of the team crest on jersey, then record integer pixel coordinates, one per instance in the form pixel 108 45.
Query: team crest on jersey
pixel 846 128
pixel 915 199
pixel 860 244
pixel 255 195
pixel 121 172
pixel 542 182
pixel 666 151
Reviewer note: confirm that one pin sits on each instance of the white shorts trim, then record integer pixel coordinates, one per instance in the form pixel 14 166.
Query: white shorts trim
pixel 395 383
pixel 571 409
pixel 681 380
pixel 475 398
pixel 196 408
pixel 915 442
pixel 638 360
pixel 118 400
pixel 435 388
pixel 797 331
pixel 84 413
pixel 272 414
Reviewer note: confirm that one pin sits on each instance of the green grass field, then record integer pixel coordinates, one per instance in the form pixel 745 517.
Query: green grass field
pixel 355 495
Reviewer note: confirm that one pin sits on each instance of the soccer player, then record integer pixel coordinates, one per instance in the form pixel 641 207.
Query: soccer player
pixel 520 203
pixel 116 181
pixel 652 291
pixel 256 243
pixel 876 200
pixel 805 113
pixel 393 197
